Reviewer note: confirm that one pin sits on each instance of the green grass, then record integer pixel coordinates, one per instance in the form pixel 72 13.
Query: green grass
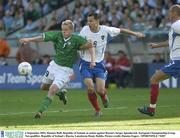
pixel 18 107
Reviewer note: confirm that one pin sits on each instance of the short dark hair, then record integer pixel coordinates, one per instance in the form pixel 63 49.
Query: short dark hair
pixel 94 14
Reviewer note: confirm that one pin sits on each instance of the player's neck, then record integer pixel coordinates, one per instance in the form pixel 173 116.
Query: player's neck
pixel 95 30
pixel 67 38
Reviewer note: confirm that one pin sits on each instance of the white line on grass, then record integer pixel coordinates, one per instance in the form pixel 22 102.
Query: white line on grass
pixel 61 110
pixel 82 110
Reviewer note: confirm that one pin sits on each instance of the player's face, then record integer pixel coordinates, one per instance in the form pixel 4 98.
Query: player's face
pixel 172 16
pixel 66 30
pixel 93 24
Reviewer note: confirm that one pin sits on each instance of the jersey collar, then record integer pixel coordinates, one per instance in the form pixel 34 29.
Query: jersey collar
pixel 66 39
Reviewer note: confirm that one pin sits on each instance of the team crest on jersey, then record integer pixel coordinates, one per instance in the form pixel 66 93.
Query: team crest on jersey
pixel 66 44
pixel 102 37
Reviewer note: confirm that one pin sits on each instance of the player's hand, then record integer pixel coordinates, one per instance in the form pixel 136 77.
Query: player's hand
pixel 140 35
pixel 92 64
pixel 153 45
pixel 72 77
pixel 24 40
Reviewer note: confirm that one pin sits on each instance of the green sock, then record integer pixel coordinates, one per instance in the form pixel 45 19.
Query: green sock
pixel 58 93
pixel 45 103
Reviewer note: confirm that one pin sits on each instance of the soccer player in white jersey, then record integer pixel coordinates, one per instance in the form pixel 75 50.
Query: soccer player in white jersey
pixel 98 35
pixel 171 69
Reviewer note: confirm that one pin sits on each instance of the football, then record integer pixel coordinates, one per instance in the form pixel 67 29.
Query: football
pixel 24 68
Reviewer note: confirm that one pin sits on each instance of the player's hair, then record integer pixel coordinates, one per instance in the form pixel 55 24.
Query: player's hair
pixel 94 14
pixel 175 8
pixel 69 23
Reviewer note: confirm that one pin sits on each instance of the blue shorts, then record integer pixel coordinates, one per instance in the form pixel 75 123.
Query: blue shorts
pixel 172 69
pixel 99 71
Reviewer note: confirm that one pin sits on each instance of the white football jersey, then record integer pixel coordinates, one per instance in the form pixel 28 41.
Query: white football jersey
pixel 174 41
pixel 99 41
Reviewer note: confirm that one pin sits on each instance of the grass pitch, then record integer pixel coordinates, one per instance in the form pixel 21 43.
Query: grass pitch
pixel 17 108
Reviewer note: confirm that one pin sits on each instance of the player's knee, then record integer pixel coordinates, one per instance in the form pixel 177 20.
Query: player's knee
pixel 154 79
pixel 101 90
pixel 90 90
pixel 44 87
pixel 53 89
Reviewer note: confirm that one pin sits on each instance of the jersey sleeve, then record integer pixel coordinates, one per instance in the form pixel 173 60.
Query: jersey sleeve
pixel 82 33
pixel 176 27
pixel 50 36
pixel 112 31
pixel 81 41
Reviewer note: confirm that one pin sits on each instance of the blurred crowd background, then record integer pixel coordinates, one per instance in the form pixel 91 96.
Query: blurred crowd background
pixel 26 18
pixel 147 14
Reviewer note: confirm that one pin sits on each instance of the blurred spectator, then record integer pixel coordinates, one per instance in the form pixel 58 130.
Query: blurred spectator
pixel 52 25
pixel 4 51
pixel 54 22
pixel 29 26
pixel 41 25
pixel 2 29
pixel 26 53
pixel 31 12
pixel 158 58
pixel 18 21
pixel 8 20
pixel 1 11
pixel 122 68
pixel 44 7
pixel 109 64
pixel 46 59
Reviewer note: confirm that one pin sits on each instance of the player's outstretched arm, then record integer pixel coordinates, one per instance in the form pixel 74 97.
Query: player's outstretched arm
pixel 32 39
pixel 158 45
pixel 129 32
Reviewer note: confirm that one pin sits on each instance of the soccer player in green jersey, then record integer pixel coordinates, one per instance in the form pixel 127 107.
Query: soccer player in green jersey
pixel 58 73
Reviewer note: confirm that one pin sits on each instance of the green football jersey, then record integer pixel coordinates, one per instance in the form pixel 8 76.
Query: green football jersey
pixel 65 49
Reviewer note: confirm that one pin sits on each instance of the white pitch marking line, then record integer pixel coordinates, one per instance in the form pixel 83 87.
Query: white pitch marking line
pixel 61 110
pixel 82 110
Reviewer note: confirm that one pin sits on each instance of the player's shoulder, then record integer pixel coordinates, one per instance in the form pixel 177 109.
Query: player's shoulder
pixel 77 36
pixel 176 24
pixel 85 28
pixel 105 28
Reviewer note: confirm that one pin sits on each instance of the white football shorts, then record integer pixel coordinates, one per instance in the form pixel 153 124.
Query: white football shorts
pixel 57 74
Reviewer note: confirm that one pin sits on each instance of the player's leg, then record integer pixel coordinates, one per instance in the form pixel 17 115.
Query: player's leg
pixel 45 86
pixel 155 79
pixel 101 76
pixel 100 86
pixel 92 95
pixel 62 93
pixel 60 80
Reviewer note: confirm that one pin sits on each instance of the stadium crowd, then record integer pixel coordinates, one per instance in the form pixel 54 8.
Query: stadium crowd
pixel 15 14
pixel 148 14
pixel 131 14
pixel 137 14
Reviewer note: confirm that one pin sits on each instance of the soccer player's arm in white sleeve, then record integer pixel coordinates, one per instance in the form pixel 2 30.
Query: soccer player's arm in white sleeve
pixel 176 27
pixel 129 32
pixel 112 31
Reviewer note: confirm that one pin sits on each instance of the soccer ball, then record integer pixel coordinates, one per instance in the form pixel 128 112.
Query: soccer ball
pixel 24 68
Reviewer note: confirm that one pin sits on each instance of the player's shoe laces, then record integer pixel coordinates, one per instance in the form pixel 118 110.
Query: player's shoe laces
pixel 105 101
pixel 98 114
pixel 38 115
pixel 146 110
pixel 62 96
